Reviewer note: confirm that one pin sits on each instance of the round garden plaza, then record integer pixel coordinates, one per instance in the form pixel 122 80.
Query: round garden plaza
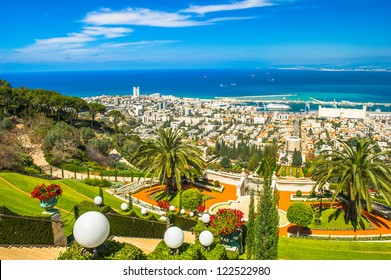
pixel 229 199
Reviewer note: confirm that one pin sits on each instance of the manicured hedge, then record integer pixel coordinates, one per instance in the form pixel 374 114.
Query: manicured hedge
pixel 121 225
pixel 126 225
pixel 86 206
pixel 182 222
pixel 114 251
pixel 33 231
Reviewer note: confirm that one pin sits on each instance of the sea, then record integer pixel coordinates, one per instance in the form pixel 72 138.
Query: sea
pixel 263 84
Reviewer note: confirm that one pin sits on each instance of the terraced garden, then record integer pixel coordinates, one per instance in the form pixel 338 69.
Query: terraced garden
pixel 15 192
pixel 289 171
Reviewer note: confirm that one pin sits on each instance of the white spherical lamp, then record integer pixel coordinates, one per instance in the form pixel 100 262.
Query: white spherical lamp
pixel 192 214
pixel 124 206
pixel 173 237
pixel 183 211
pixel 172 208
pixel 206 238
pixel 98 200
pixel 91 229
pixel 144 211
pixel 205 218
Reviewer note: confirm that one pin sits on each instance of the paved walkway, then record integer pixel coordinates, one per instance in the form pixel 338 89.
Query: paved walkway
pixel 30 253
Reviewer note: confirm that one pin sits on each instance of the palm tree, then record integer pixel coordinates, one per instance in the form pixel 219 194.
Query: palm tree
pixel 356 170
pixel 168 157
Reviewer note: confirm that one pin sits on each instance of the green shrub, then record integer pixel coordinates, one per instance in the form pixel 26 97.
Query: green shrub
pixel 299 193
pixel 114 251
pixel 216 252
pixel 86 206
pixel 217 184
pixel 103 183
pixel 6 124
pixel 232 255
pixel 200 227
pixel 191 199
pixel 25 231
pixel 186 252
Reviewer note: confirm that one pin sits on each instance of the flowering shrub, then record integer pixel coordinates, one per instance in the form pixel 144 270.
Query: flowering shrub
pixel 164 204
pixel 227 221
pixel 201 209
pixel 43 192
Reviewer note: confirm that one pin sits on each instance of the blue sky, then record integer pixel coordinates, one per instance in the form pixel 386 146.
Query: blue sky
pixel 48 35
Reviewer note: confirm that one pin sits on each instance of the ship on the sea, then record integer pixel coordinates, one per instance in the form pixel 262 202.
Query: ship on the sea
pixel 276 106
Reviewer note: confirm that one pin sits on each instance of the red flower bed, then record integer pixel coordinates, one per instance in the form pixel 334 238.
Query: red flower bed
pixel 43 192
pixel 227 221
pixel 201 209
pixel 164 204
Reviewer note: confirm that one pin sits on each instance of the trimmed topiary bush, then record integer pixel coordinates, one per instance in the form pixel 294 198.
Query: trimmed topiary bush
pixel 299 193
pixel 186 252
pixel 191 199
pixel 300 214
pixel 114 251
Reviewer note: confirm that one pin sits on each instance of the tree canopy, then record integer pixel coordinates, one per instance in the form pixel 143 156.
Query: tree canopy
pixel 300 214
pixel 168 157
pixel 356 170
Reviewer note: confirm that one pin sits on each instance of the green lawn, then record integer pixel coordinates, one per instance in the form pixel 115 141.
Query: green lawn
pixel 337 220
pixel 307 249
pixel 73 193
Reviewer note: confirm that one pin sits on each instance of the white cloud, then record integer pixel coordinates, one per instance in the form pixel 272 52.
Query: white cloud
pixel 107 32
pixel 140 16
pixel 246 4
pixel 139 44
pixel 213 20
pixel 72 38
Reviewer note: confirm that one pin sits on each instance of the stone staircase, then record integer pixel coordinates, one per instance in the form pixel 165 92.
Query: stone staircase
pixel 30 252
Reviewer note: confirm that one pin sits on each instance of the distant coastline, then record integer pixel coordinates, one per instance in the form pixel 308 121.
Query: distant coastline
pixel 353 86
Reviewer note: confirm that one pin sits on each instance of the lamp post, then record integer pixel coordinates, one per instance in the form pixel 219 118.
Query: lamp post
pixel 172 208
pixel 124 206
pixel 90 230
pixel 206 238
pixel 144 211
pixel 174 237
pixel 205 218
pixel 98 200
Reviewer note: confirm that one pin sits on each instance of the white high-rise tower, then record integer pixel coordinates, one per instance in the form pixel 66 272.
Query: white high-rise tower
pixel 136 91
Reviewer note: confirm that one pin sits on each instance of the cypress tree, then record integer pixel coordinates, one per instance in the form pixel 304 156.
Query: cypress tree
pixel 266 222
pixel 250 227
pixel 101 195
pixel 130 202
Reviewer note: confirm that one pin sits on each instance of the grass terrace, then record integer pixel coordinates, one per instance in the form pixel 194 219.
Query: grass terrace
pixel 15 192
